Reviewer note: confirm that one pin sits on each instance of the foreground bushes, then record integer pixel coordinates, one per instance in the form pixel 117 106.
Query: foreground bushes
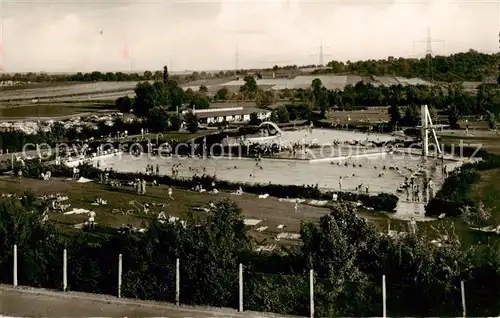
pixel 348 256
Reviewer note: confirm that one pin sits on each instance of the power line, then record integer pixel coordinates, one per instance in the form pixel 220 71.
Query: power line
pixel 429 52
pixel 236 60
pixel 321 55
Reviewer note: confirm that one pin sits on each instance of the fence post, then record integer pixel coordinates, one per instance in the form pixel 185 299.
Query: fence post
pixel 311 292
pixel 120 259
pixel 462 288
pixel 177 281
pixel 65 270
pixel 240 274
pixel 384 298
pixel 15 266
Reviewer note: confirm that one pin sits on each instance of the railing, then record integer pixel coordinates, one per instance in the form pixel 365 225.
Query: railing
pixel 300 294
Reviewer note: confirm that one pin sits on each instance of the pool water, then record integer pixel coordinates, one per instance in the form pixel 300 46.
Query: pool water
pixel 368 171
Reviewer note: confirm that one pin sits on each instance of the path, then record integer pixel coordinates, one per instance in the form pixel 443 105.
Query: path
pixel 30 302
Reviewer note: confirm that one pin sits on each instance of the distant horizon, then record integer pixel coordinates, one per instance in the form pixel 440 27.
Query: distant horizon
pixel 188 72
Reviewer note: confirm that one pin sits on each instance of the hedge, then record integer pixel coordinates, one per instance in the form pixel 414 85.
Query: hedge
pixel 456 189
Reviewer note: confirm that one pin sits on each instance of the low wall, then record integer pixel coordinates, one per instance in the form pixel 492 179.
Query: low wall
pixel 77 162
pixel 381 154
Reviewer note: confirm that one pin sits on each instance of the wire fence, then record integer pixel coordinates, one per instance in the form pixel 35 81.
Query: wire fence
pixel 176 281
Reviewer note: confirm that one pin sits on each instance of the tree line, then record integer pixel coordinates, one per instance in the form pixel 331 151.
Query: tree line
pixel 465 66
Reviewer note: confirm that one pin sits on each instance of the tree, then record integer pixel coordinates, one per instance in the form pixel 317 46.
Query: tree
pixel 124 104
pixel 58 131
pixel 200 102
pixel 250 87
pixel 148 75
pixel 395 114
pixel 147 97
pixel 254 119
pixel 158 119
pixel 283 115
pixel 274 116
pixel 434 114
pixel 191 121
pixel 264 99
pixel 222 94
pixel 492 119
pixel 165 74
pixel 189 96
pixel 453 117
pixel 478 216
pixel 412 115
pixel 316 84
pixel 203 89
pixel 175 122
pixel 157 76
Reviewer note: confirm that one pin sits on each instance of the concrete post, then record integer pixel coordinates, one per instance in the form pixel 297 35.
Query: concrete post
pixel 177 281
pixel 384 298
pixel 65 270
pixel 311 293
pixel 120 262
pixel 15 266
pixel 240 274
pixel 462 288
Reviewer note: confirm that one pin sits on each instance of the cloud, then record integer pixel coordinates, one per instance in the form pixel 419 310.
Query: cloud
pixel 65 36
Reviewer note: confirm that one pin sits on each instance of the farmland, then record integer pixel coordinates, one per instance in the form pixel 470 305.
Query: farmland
pixel 67 91
pixel 54 110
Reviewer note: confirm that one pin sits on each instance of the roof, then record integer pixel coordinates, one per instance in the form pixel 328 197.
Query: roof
pixel 229 112
pixel 229 104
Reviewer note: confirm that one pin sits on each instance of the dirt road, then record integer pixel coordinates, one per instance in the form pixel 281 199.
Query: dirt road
pixel 28 302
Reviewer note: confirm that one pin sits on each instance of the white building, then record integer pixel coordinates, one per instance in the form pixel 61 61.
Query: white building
pixel 230 114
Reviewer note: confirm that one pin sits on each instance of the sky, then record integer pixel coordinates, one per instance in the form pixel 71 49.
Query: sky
pixel 120 35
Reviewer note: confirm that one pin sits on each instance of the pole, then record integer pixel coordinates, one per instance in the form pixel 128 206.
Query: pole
pixel 15 265
pixel 65 270
pixel 384 298
pixel 241 288
pixel 120 260
pixel 311 292
pixel 462 288
pixel 177 281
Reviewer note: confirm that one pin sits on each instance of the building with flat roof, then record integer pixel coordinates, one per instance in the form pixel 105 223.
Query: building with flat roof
pixel 229 114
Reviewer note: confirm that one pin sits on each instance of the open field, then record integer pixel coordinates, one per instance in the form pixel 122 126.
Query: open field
pixel 66 90
pixel 56 110
pixel 372 114
pixel 47 303
pixel 97 96
pixel 36 85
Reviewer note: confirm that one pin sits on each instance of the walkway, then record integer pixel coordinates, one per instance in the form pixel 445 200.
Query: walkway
pixel 31 302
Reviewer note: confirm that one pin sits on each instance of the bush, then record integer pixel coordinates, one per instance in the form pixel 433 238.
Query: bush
pixel 454 193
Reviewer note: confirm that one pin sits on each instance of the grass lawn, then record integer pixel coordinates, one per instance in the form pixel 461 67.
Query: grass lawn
pixel 372 113
pixel 271 211
pixel 488 191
